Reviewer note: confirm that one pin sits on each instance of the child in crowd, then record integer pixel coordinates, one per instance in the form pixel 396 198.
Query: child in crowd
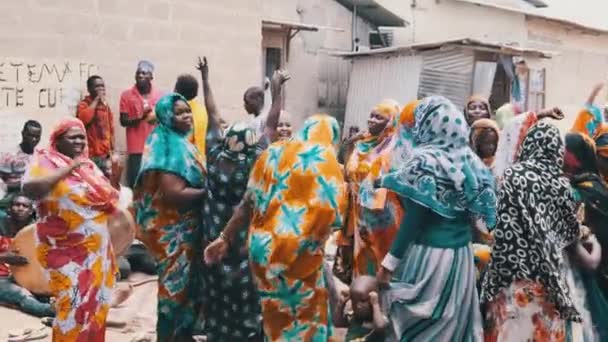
pixel 359 310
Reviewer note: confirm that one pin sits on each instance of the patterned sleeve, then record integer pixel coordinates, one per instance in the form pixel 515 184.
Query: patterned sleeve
pixel 570 218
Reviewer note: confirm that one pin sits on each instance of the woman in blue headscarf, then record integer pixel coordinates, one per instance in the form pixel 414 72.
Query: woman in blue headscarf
pixel 430 269
pixel 168 192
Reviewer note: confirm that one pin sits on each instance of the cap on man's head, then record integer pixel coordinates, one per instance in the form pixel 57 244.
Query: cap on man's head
pixel 145 66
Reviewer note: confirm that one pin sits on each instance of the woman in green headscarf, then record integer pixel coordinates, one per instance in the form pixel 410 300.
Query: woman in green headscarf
pixel 168 191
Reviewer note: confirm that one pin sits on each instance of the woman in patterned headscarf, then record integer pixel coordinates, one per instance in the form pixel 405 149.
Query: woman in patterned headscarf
pixel 231 305
pixel 442 185
pixel 477 107
pixel 168 189
pixel 73 243
pixel 374 214
pixel 536 221
pixel 296 196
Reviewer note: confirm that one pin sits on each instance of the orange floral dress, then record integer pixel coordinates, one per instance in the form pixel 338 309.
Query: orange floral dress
pixel 298 195
pixel 73 246
pixel 522 313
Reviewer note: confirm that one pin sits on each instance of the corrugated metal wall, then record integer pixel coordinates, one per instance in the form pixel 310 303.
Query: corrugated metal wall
pixel 448 73
pixel 375 78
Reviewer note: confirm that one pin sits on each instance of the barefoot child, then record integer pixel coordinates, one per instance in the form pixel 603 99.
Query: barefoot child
pixel 364 318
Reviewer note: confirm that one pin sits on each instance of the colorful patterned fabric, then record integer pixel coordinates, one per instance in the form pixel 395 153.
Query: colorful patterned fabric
pixel 374 215
pixel 505 113
pixel 601 141
pixel 198 136
pixel 73 243
pixel 536 220
pixel 298 195
pixel 168 150
pixel 510 140
pixel 171 232
pixel 522 312
pixel 442 172
pixel 588 121
pixel 231 304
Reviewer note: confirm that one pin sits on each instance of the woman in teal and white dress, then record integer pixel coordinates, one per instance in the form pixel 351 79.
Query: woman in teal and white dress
pixel 430 269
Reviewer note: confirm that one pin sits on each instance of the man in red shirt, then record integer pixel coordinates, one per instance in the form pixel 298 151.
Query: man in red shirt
pixel 98 120
pixel 137 115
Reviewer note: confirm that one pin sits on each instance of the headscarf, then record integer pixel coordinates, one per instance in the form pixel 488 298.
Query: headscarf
pixel 510 140
pixel 443 173
pixel 536 221
pixel 99 192
pixel 477 98
pixel 298 194
pixel 505 113
pixel 580 162
pixel 403 136
pixel 601 141
pixel 320 129
pixel 588 121
pixel 239 143
pixel 477 129
pixel 168 150
pixel 372 156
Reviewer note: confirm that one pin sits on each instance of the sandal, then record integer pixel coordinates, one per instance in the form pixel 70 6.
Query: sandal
pixel 28 335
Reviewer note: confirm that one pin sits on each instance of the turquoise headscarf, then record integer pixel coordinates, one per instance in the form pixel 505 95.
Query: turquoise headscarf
pixel 168 150
pixel 441 172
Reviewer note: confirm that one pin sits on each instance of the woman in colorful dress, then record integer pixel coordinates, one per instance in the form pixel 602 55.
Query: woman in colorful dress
pixel 73 243
pixel 525 293
pixel 443 185
pixel 230 302
pixel 513 134
pixel 374 215
pixel 477 107
pixel 168 193
pixel 296 196
pixel 584 258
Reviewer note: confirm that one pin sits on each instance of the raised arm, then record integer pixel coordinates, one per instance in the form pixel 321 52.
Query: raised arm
pixel 38 188
pixel 594 92
pixel 218 249
pixel 212 112
pixel 276 85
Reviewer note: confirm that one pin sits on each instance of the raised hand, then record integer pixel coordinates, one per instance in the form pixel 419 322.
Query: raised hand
pixel 203 66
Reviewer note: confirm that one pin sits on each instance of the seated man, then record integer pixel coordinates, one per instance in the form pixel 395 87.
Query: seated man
pixel 12 168
pixel 20 214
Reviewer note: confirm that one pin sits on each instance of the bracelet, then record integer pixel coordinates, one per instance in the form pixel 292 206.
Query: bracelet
pixel 224 237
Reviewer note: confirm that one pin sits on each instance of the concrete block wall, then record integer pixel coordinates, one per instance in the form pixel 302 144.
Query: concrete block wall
pixel 114 34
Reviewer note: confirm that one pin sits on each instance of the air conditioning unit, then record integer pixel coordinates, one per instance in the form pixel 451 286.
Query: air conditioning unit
pixel 380 39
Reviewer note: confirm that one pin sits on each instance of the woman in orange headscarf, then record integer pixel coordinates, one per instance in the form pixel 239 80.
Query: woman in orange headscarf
pixel 73 242
pixel 374 215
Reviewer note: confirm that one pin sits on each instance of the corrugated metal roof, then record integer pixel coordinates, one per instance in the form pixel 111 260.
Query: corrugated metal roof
pixel 584 14
pixel 374 79
pixel 374 12
pixel 464 42
pixel 448 73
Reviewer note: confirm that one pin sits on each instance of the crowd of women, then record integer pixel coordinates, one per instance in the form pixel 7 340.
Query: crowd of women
pixel 239 230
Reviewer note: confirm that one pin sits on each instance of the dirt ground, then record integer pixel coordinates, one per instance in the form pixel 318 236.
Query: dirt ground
pixel 139 312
